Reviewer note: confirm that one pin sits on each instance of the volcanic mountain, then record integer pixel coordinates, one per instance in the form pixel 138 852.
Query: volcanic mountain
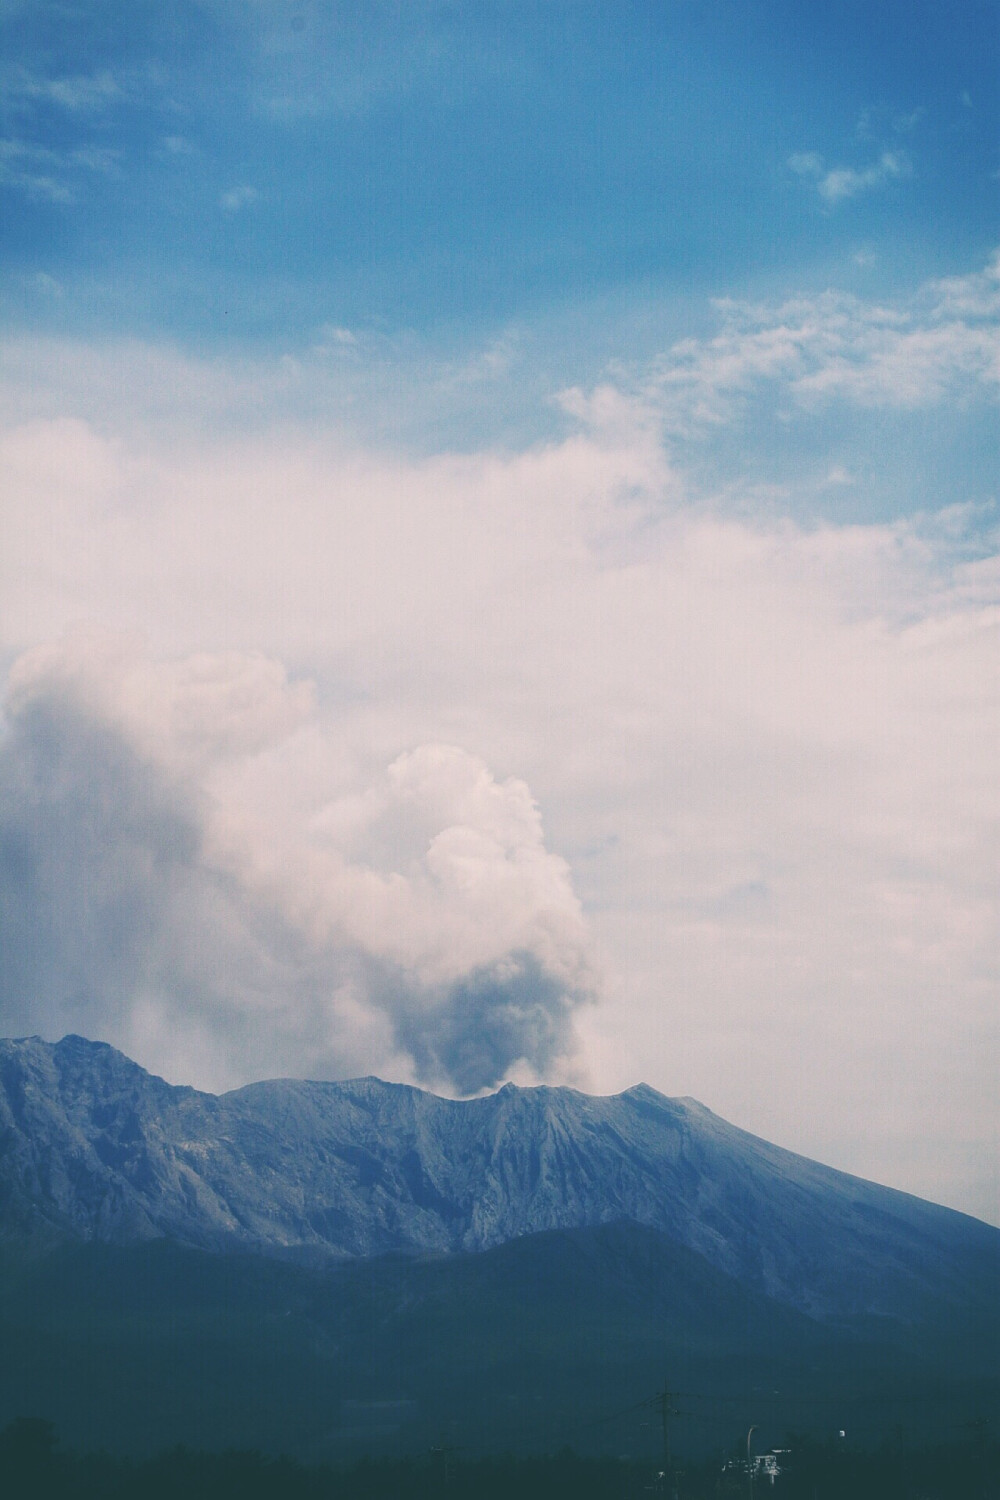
pixel 366 1246
pixel 92 1147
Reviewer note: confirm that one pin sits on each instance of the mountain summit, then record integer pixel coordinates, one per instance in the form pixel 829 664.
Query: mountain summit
pixel 94 1148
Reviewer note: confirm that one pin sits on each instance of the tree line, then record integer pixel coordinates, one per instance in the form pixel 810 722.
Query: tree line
pixel 33 1466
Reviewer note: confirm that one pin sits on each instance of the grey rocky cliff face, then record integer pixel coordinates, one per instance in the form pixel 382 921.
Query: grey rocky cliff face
pixel 93 1147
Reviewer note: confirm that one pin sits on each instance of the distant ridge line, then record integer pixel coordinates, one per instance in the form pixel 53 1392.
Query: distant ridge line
pixel 96 1148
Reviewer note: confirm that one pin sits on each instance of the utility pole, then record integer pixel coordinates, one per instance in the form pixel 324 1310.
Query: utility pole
pixel 663 1402
pixel 441 1462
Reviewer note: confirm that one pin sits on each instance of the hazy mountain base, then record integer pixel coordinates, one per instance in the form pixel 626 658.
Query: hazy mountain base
pixel 527 1347
pixel 31 1465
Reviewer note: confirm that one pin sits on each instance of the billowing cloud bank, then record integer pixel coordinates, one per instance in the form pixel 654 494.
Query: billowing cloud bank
pixel 420 925
pixel 292 831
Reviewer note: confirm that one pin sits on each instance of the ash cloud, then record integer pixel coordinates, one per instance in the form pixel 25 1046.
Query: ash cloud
pixel 93 849
pixel 115 919
pixel 415 926
pixel 489 1020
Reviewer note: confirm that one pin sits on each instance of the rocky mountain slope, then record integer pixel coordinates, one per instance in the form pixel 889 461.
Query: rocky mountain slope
pixel 93 1148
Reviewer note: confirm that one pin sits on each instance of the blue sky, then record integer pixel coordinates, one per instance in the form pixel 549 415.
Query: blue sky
pixel 215 171
pixel 500 552
pixel 579 181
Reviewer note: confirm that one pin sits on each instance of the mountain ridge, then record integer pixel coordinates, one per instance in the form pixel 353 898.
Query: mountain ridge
pixel 93 1147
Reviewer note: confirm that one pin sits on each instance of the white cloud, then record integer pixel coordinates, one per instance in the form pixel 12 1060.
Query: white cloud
pixel 944 342
pixel 764 752
pixel 974 297
pixel 806 164
pixel 238 197
pixel 835 184
pixel 331 335
pixel 19 168
pixel 418 926
pixel 47 175
pixel 76 93
pixel 42 283
pixel 95 159
pixel 904 123
pixel 192 711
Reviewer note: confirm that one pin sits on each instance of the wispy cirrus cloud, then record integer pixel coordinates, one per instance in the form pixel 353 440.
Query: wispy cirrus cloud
pixel 77 94
pixel 54 176
pixel 942 342
pixel 29 170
